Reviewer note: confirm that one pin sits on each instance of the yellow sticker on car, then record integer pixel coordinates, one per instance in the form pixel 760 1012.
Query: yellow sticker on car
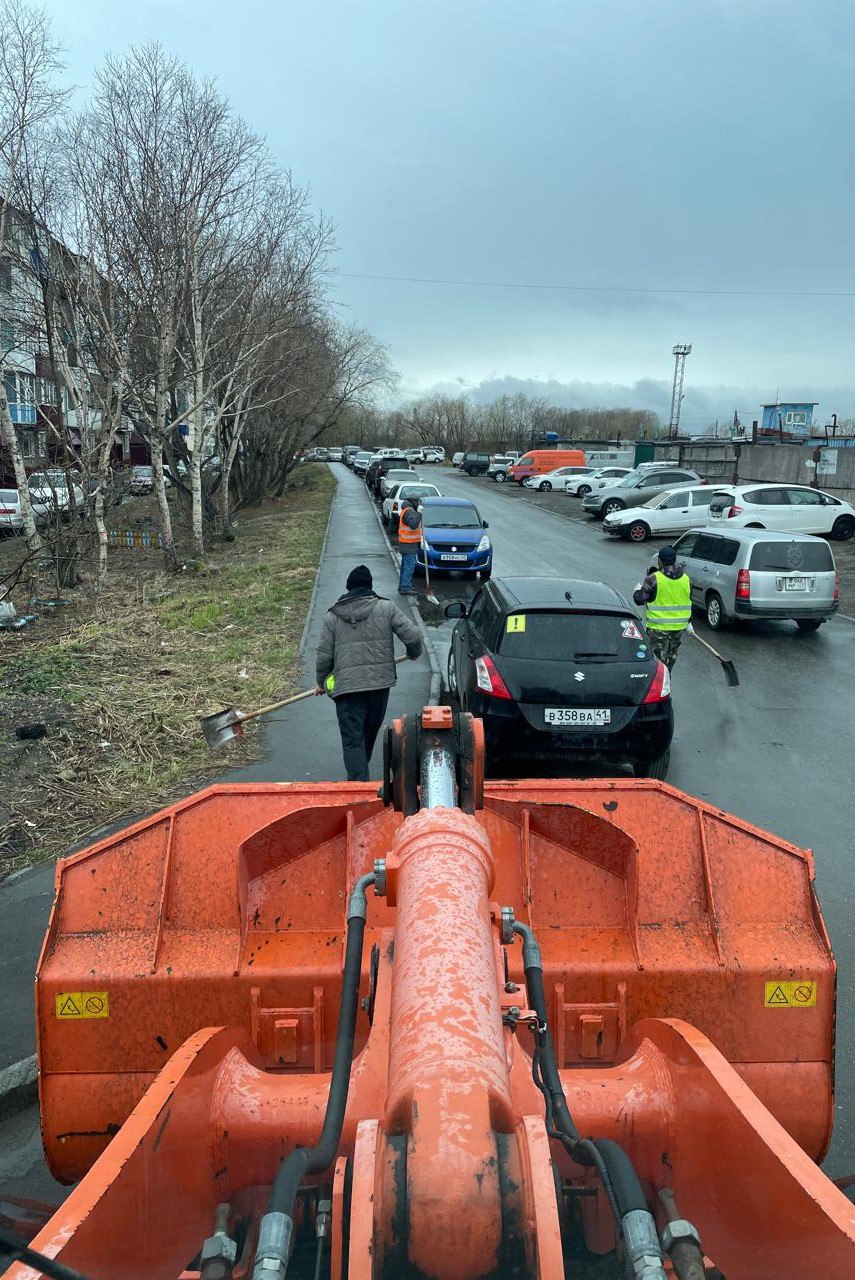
pixel 515 623
pixel 790 995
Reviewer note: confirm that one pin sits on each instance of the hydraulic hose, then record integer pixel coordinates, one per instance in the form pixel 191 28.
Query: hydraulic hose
pixel 276 1232
pixel 616 1171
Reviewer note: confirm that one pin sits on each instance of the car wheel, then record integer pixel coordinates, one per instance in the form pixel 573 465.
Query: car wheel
pixel 451 674
pixel 583 491
pixel 715 612
pixel 843 528
pixel 638 531
pixel 545 486
pixel 657 768
pixel 808 624
pixel 755 526
pixel 500 477
pixel 614 504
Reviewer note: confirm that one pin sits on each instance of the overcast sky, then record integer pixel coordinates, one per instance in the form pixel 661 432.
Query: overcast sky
pixel 623 145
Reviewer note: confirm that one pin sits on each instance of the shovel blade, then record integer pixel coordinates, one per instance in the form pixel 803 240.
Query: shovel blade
pixel 221 727
pixel 730 673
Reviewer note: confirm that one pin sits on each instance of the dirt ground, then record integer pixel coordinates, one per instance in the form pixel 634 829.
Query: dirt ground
pixel 113 685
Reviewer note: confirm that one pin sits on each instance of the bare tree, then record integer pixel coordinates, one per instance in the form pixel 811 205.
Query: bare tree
pixel 29 98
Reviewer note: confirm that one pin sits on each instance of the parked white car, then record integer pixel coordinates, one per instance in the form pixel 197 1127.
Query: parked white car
pixel 667 513
pixel 50 495
pixel 397 494
pixel 788 507
pixel 396 476
pixel 557 479
pixel 458 458
pixel 600 478
pixel 433 453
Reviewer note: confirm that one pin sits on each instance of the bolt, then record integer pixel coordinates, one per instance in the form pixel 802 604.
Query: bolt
pixel 511 987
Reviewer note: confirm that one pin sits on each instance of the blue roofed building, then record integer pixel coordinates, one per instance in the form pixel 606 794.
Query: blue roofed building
pixel 792 419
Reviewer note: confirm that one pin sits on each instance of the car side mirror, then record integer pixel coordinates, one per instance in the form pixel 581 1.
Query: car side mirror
pixel 457 609
pixel 485 524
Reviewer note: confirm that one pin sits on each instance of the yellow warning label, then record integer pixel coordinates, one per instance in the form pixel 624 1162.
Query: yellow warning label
pixel 516 622
pixel 790 995
pixel 83 1004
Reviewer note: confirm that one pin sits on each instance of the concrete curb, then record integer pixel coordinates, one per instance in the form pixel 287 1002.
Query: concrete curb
pixel 19 1086
pixel 301 647
pixel 433 661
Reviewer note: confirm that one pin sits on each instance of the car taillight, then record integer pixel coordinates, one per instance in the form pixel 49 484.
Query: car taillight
pixel 488 679
pixel 743 585
pixel 660 689
pixel 733 511
pixel 837 586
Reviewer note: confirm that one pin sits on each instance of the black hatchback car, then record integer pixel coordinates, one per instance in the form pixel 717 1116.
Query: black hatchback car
pixel 559 668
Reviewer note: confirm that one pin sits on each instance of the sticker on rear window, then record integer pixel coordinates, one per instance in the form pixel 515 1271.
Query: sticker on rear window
pixel 629 630
pixel 515 623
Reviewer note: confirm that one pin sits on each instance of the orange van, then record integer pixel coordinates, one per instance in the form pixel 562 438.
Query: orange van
pixel 538 461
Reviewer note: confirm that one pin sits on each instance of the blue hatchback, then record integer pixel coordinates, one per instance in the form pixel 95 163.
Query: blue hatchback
pixel 454 537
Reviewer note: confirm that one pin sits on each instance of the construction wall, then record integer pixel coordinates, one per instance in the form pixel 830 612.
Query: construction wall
pixel 723 461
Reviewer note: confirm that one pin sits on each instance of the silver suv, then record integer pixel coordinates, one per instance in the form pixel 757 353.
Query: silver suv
pixel 635 489
pixel 742 574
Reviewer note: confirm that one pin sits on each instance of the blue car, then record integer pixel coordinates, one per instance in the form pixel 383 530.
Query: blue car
pixel 454 537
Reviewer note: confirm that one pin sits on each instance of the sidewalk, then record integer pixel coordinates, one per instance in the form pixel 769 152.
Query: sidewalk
pixel 300 744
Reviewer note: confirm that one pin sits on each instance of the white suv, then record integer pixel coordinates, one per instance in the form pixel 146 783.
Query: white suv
pixel 789 508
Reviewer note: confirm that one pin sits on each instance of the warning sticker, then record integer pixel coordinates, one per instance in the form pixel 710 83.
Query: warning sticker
pixel 83 1004
pixel 629 630
pixel 790 995
pixel 515 623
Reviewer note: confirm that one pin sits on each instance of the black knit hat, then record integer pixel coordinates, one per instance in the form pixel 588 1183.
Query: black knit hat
pixel 359 579
pixel 667 555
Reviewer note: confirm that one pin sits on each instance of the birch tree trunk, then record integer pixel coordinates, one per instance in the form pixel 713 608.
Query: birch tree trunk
pixel 13 445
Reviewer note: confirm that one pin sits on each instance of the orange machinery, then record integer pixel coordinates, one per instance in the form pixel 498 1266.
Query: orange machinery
pixel 579 1028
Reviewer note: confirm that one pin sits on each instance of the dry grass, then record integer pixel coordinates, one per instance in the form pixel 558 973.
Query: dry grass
pixel 120 693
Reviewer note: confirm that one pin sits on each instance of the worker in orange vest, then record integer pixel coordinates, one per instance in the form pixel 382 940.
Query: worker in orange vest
pixel 409 539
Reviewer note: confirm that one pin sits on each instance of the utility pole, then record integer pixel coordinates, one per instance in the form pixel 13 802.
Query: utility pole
pixel 679 352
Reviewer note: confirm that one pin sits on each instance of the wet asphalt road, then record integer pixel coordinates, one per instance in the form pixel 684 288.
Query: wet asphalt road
pixel 777 751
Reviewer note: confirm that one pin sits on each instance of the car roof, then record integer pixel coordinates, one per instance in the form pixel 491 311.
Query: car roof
pixel 547 593
pixel 451 502
pixel 755 535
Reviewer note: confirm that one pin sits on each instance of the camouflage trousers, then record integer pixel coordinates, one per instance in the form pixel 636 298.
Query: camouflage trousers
pixel 665 645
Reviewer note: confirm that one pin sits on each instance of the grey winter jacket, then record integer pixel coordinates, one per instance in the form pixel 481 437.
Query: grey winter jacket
pixel 357 643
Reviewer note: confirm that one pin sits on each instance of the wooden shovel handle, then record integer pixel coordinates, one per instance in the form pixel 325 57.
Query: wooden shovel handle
pixel 286 702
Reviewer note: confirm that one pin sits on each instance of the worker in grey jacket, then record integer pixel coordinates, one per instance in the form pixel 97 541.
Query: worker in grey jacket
pixel 355 663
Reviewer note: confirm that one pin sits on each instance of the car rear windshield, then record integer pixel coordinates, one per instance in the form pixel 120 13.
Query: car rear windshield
pixel 572 637
pixel 450 517
pixel 789 557
pixel 9 497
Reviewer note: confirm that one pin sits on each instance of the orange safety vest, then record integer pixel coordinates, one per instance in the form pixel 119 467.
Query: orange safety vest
pixel 405 533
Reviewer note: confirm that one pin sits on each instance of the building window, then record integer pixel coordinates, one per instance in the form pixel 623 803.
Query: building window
pixel 796 419
pixel 6 274
pixel 7 336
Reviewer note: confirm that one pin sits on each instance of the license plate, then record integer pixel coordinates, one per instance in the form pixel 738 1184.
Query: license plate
pixel 449 556
pixel 796 584
pixel 572 716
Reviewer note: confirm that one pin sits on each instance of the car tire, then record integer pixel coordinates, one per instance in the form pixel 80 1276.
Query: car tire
pixel 451 674
pixel 755 526
pixel 583 491
pixel 715 612
pixel 500 477
pixel 611 505
pixel 808 624
pixel 545 487
pixel 657 768
pixel 843 528
pixel 638 531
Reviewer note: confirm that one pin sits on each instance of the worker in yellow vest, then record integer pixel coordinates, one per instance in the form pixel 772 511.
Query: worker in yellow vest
pixel 409 538
pixel 666 594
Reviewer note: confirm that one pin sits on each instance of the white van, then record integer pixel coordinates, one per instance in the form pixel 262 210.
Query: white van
pixel 610 457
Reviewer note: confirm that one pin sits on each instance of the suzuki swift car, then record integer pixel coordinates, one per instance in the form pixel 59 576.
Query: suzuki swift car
pixel 561 668
pixel 454 537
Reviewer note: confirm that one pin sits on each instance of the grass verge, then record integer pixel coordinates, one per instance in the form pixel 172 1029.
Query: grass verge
pixel 119 693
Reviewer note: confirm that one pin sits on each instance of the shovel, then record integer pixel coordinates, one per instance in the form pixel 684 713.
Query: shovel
pixel 224 726
pixel 727 666
pixel 428 593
